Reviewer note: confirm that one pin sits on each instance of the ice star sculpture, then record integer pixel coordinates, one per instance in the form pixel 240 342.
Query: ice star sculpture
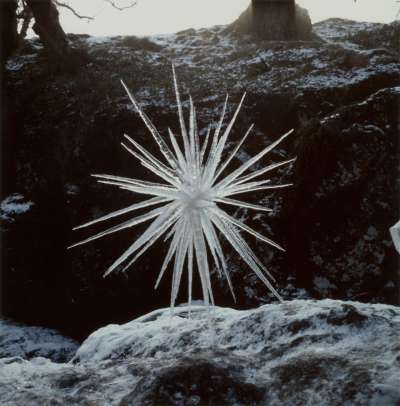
pixel 189 201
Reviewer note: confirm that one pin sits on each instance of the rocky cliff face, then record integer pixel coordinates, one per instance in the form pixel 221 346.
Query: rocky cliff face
pixel 339 94
pixel 301 352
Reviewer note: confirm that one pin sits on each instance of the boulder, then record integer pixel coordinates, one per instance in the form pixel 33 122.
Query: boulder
pixel 301 352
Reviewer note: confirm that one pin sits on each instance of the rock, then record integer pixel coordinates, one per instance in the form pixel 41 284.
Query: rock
pixel 344 164
pixel 339 96
pixel 21 341
pixel 386 37
pixel 275 20
pixel 199 378
pixel 341 30
pixel 301 352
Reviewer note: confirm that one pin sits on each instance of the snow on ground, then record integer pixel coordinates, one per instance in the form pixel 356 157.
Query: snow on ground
pixel 98 40
pixel 17 340
pixel 305 66
pixel 337 29
pixel 301 352
pixel 159 335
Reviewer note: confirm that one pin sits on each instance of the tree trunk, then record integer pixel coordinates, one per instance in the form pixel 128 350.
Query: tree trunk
pixel 47 27
pixel 9 26
pixel 275 20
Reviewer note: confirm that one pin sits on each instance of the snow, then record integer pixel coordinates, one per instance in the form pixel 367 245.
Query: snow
pixel 29 341
pixel 17 63
pixel 220 60
pixel 157 334
pixel 14 205
pixel 98 40
pixel 164 39
pixel 337 30
pixel 296 352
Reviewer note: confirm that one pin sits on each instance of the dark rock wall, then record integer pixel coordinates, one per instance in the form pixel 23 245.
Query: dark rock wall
pixel 345 192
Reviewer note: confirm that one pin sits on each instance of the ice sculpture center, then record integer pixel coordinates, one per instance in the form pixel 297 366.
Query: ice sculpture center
pixel 197 198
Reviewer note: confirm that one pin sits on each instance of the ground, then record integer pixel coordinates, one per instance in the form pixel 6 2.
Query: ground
pixel 295 353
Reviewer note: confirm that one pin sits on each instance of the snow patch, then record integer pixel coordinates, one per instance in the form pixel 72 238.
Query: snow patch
pixel 14 205
pixel 98 40
pixel 17 63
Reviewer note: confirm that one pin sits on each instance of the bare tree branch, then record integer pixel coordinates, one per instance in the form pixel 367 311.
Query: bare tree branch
pixel 72 10
pixel 114 4
pixel 26 16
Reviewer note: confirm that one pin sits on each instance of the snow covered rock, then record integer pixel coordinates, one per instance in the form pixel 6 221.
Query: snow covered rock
pixel 17 340
pixel 339 29
pixel 301 352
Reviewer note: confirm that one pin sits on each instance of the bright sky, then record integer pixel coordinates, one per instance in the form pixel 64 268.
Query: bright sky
pixel 163 16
